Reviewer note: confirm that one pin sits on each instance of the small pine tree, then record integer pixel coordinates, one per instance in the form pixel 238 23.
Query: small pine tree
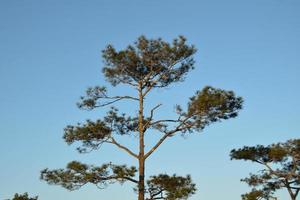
pixel 23 197
pixel 281 164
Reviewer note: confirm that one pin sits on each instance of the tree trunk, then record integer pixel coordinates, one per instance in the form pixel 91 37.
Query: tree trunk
pixel 141 184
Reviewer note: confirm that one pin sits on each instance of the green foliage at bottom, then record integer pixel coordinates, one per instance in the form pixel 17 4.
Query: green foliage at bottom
pixel 23 197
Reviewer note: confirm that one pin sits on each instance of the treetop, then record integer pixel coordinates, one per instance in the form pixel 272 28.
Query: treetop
pixel 149 62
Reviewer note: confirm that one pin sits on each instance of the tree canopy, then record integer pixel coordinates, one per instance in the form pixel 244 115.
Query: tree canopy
pixel 281 162
pixel 168 187
pixel 23 197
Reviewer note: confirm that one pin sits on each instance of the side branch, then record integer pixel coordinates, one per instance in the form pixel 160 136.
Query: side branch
pixel 297 191
pixel 114 99
pixel 165 120
pixel 131 179
pixel 78 174
pixel 272 171
pixel 151 116
pixel 113 141
pixel 153 109
pixel 95 95
pixel 180 127
pixel 157 145
pixel 122 97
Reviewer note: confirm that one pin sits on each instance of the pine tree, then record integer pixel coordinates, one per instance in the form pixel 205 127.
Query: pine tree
pixel 23 197
pixel 281 162
pixel 147 65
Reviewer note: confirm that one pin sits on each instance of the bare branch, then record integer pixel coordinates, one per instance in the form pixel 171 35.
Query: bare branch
pixel 96 95
pixel 123 97
pixel 151 116
pixel 116 98
pixel 113 141
pixel 165 120
pixel 153 109
pixel 157 145
pixel 166 135
pixel 107 103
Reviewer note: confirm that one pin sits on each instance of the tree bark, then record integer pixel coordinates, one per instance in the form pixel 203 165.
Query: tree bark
pixel 141 184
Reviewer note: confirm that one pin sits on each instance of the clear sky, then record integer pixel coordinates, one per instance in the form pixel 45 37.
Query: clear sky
pixel 50 53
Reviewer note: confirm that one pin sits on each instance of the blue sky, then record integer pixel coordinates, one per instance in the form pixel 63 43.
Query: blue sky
pixel 50 52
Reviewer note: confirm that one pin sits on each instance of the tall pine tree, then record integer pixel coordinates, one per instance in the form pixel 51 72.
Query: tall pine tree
pixel 147 65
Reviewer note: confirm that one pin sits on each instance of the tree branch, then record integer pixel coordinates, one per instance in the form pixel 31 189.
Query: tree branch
pixel 107 103
pixel 157 145
pixel 165 120
pixel 167 134
pixel 116 98
pixel 116 178
pixel 151 116
pixel 160 192
pixel 113 141
pixel 124 80
pixel 296 192
pixel 131 179
pixel 152 84
pixel 272 171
